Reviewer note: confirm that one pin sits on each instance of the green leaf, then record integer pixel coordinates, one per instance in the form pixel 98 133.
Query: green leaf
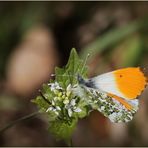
pixel 47 93
pixel 68 74
pixel 83 113
pixel 61 129
pixel 41 103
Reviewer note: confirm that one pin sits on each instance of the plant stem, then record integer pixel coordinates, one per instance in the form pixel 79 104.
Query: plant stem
pixel 69 143
pixel 17 121
pixel 44 98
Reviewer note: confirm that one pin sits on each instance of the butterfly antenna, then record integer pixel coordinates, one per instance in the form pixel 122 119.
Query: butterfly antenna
pixel 53 75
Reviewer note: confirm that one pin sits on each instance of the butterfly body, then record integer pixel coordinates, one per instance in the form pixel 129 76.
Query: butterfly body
pixel 88 83
pixel 122 86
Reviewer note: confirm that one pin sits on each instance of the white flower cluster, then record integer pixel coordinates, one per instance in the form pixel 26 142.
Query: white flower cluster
pixel 63 99
pixel 54 109
pixel 54 86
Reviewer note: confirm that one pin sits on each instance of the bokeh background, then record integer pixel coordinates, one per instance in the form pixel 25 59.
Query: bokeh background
pixel 37 36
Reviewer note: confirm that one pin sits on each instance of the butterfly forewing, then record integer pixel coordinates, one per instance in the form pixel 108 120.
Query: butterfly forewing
pixel 115 94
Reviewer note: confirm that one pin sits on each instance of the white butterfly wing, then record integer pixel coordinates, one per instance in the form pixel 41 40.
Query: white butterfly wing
pixel 107 83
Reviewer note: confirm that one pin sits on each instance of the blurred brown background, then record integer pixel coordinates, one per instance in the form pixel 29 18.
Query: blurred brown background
pixel 37 36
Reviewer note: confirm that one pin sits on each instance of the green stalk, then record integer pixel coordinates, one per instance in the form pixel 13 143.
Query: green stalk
pixel 7 126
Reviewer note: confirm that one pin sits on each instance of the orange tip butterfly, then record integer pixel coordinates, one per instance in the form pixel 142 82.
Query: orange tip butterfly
pixel 120 88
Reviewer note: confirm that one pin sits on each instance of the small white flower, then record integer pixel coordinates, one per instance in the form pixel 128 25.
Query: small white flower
pixel 63 96
pixel 49 84
pixel 78 91
pixel 73 102
pixel 57 86
pixel 69 112
pixel 58 108
pixel 56 113
pixel 95 101
pixel 55 98
pixel 74 107
pixel 66 106
pixel 89 101
pixel 66 101
pixel 68 93
pixel 90 97
pixel 54 110
pixel 68 87
pixel 59 94
pixel 78 110
pixel 102 107
pixel 66 98
pixel 52 102
pixel 46 95
pixel 56 91
pixel 49 109
pixel 54 86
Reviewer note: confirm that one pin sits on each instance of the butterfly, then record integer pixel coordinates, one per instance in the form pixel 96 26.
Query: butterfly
pixel 119 92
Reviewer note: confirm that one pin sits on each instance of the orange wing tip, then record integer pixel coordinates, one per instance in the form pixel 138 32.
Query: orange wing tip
pixel 145 74
pixel 131 81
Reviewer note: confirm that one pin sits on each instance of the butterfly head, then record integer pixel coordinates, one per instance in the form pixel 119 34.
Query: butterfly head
pixel 80 79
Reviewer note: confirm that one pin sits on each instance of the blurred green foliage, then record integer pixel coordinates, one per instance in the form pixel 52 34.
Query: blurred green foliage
pixel 16 18
pixel 132 51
